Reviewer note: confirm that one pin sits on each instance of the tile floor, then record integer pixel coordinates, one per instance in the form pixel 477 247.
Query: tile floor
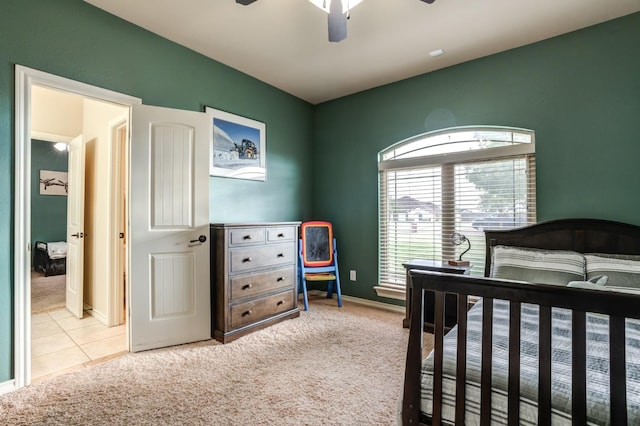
pixel 62 343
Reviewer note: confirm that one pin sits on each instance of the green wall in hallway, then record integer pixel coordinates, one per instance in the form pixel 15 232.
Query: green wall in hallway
pixel 580 92
pixel 73 39
pixel 48 212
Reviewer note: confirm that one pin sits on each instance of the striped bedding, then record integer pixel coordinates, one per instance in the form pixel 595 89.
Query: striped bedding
pixel 597 366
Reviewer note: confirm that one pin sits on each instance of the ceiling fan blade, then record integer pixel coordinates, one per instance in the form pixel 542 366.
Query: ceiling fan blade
pixel 248 2
pixel 337 22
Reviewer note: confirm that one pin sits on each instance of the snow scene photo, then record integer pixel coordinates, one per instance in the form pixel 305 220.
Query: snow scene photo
pixel 237 151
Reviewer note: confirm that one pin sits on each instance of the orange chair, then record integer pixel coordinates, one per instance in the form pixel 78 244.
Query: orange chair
pixel 318 259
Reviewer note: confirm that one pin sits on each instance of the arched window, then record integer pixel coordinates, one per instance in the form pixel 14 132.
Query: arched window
pixel 465 180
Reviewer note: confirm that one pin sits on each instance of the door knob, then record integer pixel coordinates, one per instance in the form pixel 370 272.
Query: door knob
pixel 78 235
pixel 201 239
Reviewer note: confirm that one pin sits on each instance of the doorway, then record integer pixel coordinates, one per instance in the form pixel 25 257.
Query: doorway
pixel 102 319
pixel 163 308
pixel 63 336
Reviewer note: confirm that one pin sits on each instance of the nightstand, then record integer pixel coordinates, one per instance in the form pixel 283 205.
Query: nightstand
pixel 450 311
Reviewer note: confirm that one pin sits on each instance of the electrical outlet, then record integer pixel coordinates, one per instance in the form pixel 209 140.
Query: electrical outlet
pixel 352 275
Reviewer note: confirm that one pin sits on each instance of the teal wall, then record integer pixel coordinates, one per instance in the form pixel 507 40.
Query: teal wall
pixel 580 92
pixel 73 39
pixel 48 212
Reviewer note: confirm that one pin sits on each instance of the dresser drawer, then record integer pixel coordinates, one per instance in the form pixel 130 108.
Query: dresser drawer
pixel 284 233
pixel 261 282
pixel 249 258
pixel 250 312
pixel 246 236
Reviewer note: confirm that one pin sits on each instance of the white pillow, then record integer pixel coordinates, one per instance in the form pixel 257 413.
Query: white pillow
pixel 537 266
pixel 621 272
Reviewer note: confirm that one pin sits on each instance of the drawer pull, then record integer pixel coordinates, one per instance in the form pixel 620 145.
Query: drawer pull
pixel 280 254
pixel 281 235
pixel 247 286
pixel 246 313
pixel 246 237
pixel 280 302
pixel 279 279
pixel 246 259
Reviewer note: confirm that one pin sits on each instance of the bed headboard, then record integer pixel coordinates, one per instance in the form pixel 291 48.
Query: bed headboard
pixel 581 235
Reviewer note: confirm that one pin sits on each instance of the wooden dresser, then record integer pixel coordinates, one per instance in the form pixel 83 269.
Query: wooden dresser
pixel 253 276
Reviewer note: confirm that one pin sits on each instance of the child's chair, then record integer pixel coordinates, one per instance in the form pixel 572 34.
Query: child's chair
pixel 318 258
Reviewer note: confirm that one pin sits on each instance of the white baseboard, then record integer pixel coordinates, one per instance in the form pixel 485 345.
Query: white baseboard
pixel 8 386
pixel 366 302
pixel 99 316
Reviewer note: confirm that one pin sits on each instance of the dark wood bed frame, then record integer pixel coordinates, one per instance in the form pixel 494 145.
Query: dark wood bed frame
pixel 582 235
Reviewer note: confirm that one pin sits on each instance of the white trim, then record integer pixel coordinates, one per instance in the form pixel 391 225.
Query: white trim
pixel 24 79
pixel 374 304
pixel 22 223
pixel 8 386
pixel 390 292
pixel 366 302
pixel 99 316
pixel 115 292
pixel 459 157
pixel 50 137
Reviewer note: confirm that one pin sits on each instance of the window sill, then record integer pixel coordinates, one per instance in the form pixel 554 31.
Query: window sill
pixel 391 292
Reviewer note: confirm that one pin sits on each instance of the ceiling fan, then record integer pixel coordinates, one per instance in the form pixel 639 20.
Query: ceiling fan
pixel 338 14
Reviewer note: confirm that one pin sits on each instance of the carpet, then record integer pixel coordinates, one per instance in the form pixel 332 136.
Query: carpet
pixel 330 366
pixel 47 293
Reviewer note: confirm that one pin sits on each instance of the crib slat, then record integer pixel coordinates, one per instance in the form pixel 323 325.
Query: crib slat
pixel 544 373
pixel 438 348
pixel 617 369
pixel 514 363
pixel 461 360
pixel 485 372
pixel 411 395
pixel 578 369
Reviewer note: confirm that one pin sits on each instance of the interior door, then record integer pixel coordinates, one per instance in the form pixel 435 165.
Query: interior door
pixel 169 218
pixel 75 227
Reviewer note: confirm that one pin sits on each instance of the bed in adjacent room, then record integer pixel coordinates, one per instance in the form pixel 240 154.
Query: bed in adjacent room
pixel 50 257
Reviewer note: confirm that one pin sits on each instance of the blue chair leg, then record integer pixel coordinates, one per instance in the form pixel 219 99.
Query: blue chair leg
pixel 329 289
pixel 303 282
pixel 338 292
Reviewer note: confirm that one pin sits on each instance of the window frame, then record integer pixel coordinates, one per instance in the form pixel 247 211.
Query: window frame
pixel 447 162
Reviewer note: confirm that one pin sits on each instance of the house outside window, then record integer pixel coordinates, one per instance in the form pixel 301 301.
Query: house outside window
pixel 458 180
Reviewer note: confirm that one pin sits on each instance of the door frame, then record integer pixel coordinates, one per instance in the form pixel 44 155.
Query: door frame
pixel 116 294
pixel 24 79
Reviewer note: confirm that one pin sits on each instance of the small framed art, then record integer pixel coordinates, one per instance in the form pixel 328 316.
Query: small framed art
pixel 54 183
pixel 239 146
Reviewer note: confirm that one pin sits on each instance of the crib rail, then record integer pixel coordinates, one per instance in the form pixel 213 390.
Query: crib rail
pixel 618 306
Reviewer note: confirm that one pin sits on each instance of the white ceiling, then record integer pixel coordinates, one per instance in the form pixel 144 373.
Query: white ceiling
pixel 284 42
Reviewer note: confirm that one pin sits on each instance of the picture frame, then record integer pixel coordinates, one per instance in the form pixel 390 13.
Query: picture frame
pixel 54 183
pixel 238 146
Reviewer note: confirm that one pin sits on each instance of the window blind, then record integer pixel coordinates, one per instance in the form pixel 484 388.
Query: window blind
pixel 421 207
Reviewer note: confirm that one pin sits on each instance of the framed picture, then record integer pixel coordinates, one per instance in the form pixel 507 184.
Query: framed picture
pixel 54 183
pixel 239 146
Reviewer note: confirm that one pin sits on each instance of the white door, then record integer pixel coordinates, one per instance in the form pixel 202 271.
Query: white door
pixel 169 215
pixel 75 226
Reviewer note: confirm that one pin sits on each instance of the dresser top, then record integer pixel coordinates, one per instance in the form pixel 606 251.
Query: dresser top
pixel 252 224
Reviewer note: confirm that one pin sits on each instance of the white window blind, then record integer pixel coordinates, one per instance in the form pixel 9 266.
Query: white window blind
pixel 431 188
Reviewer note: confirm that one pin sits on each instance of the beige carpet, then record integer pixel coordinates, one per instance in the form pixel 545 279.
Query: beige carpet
pixel 329 367
pixel 47 293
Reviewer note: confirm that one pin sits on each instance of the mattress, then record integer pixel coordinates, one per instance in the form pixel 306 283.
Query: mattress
pixel 55 250
pixel 597 368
